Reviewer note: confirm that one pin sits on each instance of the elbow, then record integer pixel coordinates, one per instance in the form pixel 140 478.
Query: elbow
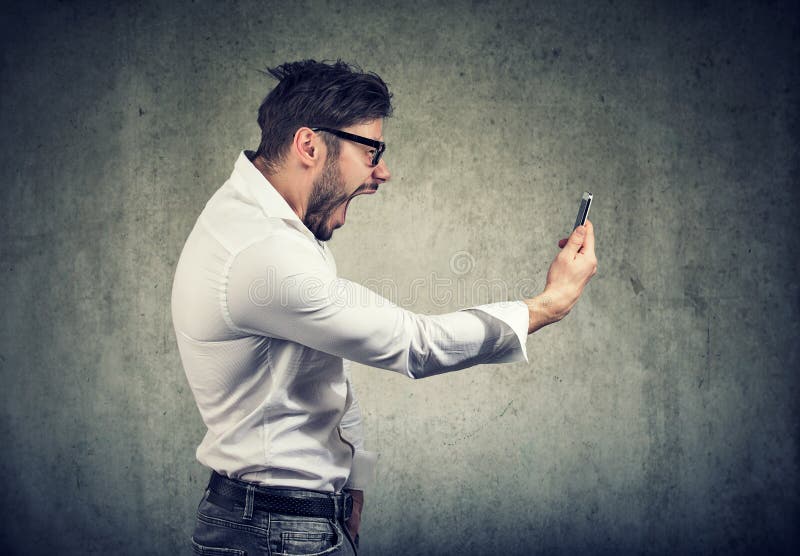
pixel 416 364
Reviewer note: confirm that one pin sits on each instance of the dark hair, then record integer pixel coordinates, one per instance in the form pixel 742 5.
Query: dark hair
pixel 311 93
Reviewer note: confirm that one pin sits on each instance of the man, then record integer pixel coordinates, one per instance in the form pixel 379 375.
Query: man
pixel 265 329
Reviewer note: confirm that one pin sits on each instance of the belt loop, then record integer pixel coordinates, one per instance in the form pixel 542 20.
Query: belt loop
pixel 248 503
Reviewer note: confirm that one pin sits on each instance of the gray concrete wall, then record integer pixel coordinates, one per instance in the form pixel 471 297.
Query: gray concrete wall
pixel 660 417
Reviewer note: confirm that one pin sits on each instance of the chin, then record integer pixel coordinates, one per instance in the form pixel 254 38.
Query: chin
pixel 324 234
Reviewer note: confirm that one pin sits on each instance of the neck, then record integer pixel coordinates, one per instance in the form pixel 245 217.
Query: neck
pixel 294 187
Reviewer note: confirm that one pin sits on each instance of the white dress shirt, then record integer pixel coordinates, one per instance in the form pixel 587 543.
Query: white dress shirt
pixel 265 330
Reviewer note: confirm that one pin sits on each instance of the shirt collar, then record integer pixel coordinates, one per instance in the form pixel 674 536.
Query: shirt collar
pixel 271 202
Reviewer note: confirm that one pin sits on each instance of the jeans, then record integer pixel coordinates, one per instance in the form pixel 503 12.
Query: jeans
pixel 222 530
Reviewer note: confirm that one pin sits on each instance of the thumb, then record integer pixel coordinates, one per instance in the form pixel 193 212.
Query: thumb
pixel 575 240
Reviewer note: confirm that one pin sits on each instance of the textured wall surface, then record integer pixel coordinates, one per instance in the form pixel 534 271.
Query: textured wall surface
pixel 660 417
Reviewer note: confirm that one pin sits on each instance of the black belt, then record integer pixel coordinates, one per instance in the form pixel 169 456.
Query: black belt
pixel 307 503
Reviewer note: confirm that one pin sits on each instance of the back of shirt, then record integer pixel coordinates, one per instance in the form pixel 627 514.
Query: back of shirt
pixel 272 407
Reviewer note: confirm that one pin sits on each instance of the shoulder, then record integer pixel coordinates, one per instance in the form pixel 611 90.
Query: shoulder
pixel 284 249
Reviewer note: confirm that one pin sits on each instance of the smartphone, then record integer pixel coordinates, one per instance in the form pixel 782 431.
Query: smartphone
pixel 583 210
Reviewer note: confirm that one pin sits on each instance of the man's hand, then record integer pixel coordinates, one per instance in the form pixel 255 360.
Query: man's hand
pixel 354 523
pixel 571 270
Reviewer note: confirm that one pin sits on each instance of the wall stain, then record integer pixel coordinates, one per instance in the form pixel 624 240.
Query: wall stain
pixel 637 285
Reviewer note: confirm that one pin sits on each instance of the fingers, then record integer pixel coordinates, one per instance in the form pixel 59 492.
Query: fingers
pixel 586 246
pixel 575 240
pixel 588 240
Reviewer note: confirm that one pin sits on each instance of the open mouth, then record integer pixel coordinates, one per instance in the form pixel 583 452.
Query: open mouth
pixel 364 190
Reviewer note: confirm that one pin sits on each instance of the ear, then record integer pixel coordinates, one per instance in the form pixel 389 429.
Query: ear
pixel 308 147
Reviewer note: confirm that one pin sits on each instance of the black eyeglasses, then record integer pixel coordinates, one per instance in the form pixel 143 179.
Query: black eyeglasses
pixel 379 146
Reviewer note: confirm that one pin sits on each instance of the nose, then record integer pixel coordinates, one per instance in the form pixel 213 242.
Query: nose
pixel 381 171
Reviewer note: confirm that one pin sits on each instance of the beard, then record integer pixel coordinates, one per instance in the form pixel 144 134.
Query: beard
pixel 327 193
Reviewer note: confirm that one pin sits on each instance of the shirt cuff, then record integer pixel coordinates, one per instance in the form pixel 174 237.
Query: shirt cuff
pixel 362 470
pixel 515 317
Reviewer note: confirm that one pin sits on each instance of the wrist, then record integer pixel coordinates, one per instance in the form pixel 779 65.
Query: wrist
pixel 542 310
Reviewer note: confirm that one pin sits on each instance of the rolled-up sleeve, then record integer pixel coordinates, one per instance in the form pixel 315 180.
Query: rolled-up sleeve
pixel 282 287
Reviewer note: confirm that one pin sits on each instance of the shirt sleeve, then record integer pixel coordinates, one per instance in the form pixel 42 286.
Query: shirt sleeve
pixel 364 461
pixel 282 287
